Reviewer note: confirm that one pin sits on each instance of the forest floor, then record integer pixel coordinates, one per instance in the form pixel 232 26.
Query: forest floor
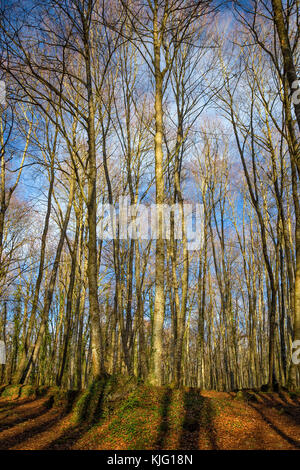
pixel 163 418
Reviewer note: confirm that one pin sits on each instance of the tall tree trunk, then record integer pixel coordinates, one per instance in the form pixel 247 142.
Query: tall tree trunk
pixel 92 268
pixel 155 373
pixel 287 55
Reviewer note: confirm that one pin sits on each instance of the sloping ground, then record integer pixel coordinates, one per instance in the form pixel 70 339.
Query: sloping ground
pixel 148 418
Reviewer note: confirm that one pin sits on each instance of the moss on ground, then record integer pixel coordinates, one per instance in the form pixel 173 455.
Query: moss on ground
pixel 11 391
pixel 101 398
pixel 154 418
pixel 118 412
pixel 27 391
pixel 247 395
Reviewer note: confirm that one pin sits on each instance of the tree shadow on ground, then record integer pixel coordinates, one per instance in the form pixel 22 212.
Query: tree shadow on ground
pixel 275 428
pixel 289 399
pixel 197 422
pixel 91 413
pixel 282 402
pixel 13 405
pixel 8 422
pixel 68 438
pixel 164 424
pixel 30 432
